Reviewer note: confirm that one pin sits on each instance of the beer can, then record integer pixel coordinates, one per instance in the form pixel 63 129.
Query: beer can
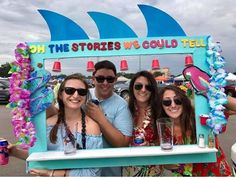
pixel 4 155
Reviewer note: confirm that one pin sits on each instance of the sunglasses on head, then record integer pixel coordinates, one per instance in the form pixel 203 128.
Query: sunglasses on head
pixel 138 87
pixel 71 91
pixel 168 102
pixel 101 79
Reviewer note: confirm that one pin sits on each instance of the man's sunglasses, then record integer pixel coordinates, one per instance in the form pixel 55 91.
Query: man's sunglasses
pixel 138 87
pixel 71 91
pixel 168 102
pixel 101 79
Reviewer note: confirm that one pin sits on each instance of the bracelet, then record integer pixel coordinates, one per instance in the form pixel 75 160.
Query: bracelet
pixel 51 174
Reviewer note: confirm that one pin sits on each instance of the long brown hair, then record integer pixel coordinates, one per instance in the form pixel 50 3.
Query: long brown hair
pixel 187 121
pixel 153 98
pixel 61 111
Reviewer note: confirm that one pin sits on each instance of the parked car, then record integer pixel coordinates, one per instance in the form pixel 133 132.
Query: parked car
pixel 4 91
pixel 122 89
pixel 230 89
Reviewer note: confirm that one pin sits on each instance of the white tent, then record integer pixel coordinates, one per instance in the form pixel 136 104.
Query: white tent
pixel 179 78
pixel 122 78
pixel 231 77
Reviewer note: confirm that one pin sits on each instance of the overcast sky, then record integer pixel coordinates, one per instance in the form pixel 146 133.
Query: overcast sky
pixel 21 22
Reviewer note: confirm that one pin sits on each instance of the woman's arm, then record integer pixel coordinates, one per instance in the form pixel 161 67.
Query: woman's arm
pixel 48 173
pixel 231 103
pixel 17 152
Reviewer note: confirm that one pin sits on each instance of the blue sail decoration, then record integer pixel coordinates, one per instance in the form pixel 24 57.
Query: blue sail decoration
pixel 160 23
pixel 111 27
pixel 61 27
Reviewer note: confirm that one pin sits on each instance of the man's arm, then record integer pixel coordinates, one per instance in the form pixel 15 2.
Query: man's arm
pixel 51 111
pixel 112 135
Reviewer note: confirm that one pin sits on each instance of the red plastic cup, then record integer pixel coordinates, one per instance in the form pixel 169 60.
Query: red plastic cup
pixel 223 129
pixel 203 119
pixel 226 113
pixel 4 155
pixel 188 60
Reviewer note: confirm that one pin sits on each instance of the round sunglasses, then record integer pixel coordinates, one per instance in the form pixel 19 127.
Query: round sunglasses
pixel 168 102
pixel 139 86
pixel 101 79
pixel 71 91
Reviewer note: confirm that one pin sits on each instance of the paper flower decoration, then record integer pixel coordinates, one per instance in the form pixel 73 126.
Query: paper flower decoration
pixel 188 89
pixel 215 93
pixel 20 98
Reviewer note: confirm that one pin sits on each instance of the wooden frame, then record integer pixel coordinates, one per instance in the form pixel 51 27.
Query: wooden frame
pixel 41 158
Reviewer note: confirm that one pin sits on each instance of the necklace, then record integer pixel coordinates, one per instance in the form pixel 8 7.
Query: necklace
pixel 140 132
pixel 83 132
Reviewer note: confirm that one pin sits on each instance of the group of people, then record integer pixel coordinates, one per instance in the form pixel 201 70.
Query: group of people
pixel 115 123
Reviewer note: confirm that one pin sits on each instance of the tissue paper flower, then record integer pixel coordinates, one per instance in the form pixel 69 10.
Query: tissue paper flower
pixel 24 129
pixel 215 93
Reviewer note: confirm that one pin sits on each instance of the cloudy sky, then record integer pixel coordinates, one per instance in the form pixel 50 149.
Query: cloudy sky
pixel 21 22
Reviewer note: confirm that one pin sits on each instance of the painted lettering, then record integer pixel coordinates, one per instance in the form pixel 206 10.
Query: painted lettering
pixel 75 47
pixel 136 44
pixel 191 43
pixel 37 49
pixel 128 45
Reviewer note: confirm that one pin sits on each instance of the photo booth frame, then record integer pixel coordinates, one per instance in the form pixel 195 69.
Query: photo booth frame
pixel 40 157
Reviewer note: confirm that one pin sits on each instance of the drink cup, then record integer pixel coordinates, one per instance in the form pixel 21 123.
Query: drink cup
pixel 4 155
pixel 203 119
pixel 165 131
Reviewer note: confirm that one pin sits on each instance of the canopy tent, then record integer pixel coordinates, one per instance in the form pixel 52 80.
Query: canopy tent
pixel 231 77
pixel 161 78
pixel 179 78
pixel 122 78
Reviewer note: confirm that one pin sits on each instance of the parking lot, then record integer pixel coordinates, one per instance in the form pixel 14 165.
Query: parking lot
pixel 16 167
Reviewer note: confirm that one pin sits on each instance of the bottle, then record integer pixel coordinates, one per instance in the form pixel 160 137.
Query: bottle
pixel 139 141
pixel 201 141
pixel 211 140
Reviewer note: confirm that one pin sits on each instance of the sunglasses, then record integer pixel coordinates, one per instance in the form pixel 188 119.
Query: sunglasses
pixel 101 79
pixel 168 102
pixel 138 87
pixel 71 91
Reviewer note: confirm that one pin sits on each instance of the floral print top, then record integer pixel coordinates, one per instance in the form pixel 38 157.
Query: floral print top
pixel 219 168
pixel 182 169
pixel 143 135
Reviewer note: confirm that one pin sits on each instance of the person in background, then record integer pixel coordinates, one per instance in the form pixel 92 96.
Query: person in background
pixel 177 106
pixel 112 113
pixel 71 123
pixel 56 89
pixel 231 105
pixel 143 106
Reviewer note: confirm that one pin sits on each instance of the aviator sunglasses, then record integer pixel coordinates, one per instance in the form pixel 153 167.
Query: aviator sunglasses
pixel 168 102
pixel 71 91
pixel 138 87
pixel 101 79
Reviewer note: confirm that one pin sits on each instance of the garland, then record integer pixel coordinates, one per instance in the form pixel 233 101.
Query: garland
pixel 215 93
pixel 24 129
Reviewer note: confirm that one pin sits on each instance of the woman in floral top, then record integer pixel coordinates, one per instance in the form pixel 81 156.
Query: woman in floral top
pixel 176 105
pixel 142 104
